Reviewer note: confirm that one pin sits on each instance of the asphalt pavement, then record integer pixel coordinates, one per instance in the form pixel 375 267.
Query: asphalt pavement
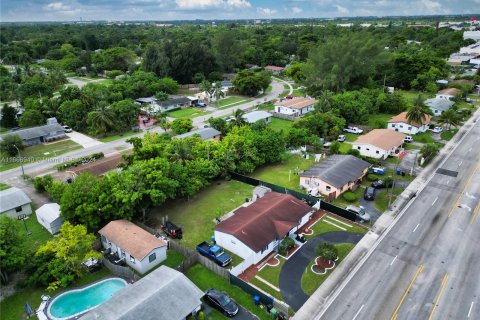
pixel 425 266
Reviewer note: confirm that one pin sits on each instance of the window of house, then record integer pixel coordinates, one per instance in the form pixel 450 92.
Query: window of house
pixel 152 257
pixel 18 209
pixel 377 152
pixel 307 181
pixel 328 188
pixel 132 259
pixel 264 249
pixel 122 253
pixel 368 149
pixel 358 148
pixel 401 126
pixel 409 128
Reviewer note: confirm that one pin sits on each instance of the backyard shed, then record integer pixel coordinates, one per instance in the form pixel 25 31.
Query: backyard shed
pixel 48 216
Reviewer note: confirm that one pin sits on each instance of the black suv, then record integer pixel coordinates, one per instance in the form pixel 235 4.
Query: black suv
pixel 222 302
pixel 379 184
pixel 369 194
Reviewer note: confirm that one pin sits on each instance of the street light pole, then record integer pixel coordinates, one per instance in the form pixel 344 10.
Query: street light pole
pixel 393 182
pixel 21 161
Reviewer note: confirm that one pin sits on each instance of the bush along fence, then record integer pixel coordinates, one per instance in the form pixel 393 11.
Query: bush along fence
pixel 79 161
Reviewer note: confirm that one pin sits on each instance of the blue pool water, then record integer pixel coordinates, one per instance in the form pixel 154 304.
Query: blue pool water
pixel 77 301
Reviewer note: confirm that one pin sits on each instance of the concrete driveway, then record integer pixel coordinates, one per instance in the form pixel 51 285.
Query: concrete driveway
pixel 83 140
pixel 292 271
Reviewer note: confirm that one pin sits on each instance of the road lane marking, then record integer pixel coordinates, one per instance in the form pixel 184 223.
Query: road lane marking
pixel 475 211
pixel 470 149
pixel 393 260
pixel 470 310
pixel 460 163
pixel 434 201
pixel 395 313
pixel 358 312
pixel 415 228
pixel 442 288
pixel 463 191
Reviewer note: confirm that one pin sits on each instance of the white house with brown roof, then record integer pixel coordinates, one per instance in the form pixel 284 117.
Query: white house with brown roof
pixel 400 123
pixel 140 249
pixel 379 143
pixel 448 93
pixel 295 107
pixel 256 229
pixel 274 69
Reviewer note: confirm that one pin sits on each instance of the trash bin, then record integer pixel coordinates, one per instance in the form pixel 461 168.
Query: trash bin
pixel 403 173
pixel 398 172
pixel 273 314
pixel 256 300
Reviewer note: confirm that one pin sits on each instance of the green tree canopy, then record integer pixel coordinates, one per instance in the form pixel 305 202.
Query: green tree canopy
pixel 12 247
pixel 250 83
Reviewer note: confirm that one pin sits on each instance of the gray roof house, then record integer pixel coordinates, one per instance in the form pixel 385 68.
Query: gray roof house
pixel 204 133
pixel 152 105
pixel 164 294
pixel 38 135
pixel 14 202
pixel 255 116
pixel 334 175
pixel 438 105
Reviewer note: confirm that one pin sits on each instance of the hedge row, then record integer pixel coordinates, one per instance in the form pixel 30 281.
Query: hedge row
pixel 79 161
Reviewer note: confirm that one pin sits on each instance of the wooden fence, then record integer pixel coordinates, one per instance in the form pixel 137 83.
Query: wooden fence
pixel 124 272
pixel 284 116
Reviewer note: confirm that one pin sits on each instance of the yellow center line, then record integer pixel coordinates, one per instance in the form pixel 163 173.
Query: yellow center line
pixel 395 313
pixel 442 288
pixel 475 211
pixel 463 191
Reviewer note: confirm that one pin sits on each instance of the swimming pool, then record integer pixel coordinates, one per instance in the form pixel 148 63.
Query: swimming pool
pixel 75 302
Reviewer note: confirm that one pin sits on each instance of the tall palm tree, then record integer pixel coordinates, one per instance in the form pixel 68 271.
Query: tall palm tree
pixel 450 118
pixel 207 87
pixel 238 119
pixel 325 101
pixel 102 119
pixel 180 151
pixel 217 92
pixel 418 112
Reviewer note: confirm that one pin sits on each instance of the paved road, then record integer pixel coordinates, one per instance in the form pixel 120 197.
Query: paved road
pixel 426 267
pixel 114 146
pixel 291 274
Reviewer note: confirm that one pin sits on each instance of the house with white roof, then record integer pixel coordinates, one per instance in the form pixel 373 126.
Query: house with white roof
pixel 204 133
pixel 48 216
pixel 379 143
pixel 254 116
pixel 437 106
pixel 14 202
pixel 295 107
pixel 401 124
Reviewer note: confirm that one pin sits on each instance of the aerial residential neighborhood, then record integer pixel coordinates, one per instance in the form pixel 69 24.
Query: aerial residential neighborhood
pixel 239 159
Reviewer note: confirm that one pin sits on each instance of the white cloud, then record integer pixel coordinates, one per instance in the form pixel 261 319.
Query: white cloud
pixel 296 10
pixel 238 3
pixel 267 11
pixel 431 5
pixel 201 4
pixel 57 6
pixel 341 9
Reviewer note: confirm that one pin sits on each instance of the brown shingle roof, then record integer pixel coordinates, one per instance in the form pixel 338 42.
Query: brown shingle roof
pixel 265 220
pixel 274 68
pixel 450 91
pixel 297 103
pixel 402 117
pixel 131 238
pixel 382 138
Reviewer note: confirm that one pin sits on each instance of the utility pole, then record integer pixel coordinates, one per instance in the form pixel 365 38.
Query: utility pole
pixel 393 182
pixel 21 160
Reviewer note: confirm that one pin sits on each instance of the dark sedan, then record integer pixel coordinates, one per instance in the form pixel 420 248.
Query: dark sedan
pixel 222 302
pixel 379 184
pixel 369 194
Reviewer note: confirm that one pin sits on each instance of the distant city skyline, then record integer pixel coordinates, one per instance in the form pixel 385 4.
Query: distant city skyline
pixel 165 10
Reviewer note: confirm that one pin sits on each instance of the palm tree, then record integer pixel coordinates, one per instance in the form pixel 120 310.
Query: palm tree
pixel 418 112
pixel 207 87
pixel 450 118
pixel 325 101
pixel 102 119
pixel 238 119
pixel 180 151
pixel 162 120
pixel 217 91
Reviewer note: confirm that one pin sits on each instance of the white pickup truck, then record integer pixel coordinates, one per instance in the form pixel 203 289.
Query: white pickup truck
pixel 353 130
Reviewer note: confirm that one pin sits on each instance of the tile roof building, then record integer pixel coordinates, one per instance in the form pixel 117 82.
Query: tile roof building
pixel 296 106
pixel 379 143
pixel 400 123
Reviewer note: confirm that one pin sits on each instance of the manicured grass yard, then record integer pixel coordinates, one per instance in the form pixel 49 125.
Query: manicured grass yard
pixel 272 275
pixel 342 203
pixel 381 199
pixel 196 216
pixel 35 153
pixel 187 113
pixel 269 107
pixel 423 137
pixel 13 307
pixel 323 227
pixel 375 119
pixel 118 136
pixel 39 235
pixel 350 137
pixel 311 281
pixel 279 173
pixel 411 95
pixel 205 279
pixel 4 186
pixel 410 146
pixel 345 147
pixel 228 100
pixel 298 93
pixel 235 104
pixel 278 124
pixel 448 134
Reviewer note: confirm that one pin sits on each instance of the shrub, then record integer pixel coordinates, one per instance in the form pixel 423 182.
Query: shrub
pixel 354 152
pixel 285 246
pixel 79 161
pixel 327 251
pixel 114 73
pixel 372 177
pixel 42 183
pixel 350 196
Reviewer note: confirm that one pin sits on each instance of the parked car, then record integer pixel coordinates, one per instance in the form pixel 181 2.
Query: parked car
pixel 468 100
pixel 67 129
pixel 379 184
pixel 222 302
pixel 360 212
pixel 199 104
pixel 408 139
pixel 377 170
pixel 341 138
pixel 228 119
pixel 437 129
pixel 369 194
pixel 327 144
pixel 214 253
pixel 172 230
pixel 289 96
pixel 353 130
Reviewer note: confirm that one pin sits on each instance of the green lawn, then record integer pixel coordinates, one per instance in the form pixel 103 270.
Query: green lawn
pixel 381 200
pixel 197 215
pixel 118 136
pixel 378 121
pixel 423 137
pixel 13 307
pixel 4 186
pixel 235 104
pixel 106 82
pixel 269 89
pixel 272 275
pixel 269 107
pixel 228 100
pixel 410 146
pixel 345 147
pixel 266 289
pixel 278 124
pixel 298 93
pixel 311 281
pixel 448 134
pixel 187 113
pixel 411 95
pixel 39 152
pixel 205 279
pixel 39 235
pixel 286 91
pixel 281 172
pixel 350 137
pixel 323 227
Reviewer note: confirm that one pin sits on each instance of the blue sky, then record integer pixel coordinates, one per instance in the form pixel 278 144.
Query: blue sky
pixel 68 10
